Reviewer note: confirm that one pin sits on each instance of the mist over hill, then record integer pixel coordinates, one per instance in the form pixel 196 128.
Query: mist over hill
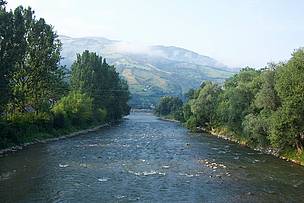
pixel 151 71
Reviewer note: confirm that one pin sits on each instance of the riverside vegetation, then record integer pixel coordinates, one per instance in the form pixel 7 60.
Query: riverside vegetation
pixel 39 98
pixel 260 108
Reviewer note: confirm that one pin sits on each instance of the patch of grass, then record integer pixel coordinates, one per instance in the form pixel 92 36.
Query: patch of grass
pixel 293 155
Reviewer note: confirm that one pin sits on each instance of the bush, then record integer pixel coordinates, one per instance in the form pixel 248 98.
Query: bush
pixel 43 121
pixel 9 134
pixel 256 130
pixel 178 115
pixel 75 107
pixel 59 121
pixel 192 123
pixel 19 128
pixel 101 115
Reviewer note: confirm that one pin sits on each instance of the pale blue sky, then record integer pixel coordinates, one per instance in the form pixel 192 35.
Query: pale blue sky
pixel 236 32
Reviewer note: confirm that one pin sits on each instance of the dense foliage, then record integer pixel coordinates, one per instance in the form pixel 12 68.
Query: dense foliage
pixel 94 77
pixel 37 97
pixel 75 108
pixel 170 107
pixel 264 108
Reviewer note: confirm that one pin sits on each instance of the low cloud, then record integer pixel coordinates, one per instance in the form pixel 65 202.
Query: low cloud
pixel 135 48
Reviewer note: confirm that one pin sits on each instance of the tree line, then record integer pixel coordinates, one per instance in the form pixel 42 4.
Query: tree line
pixel 39 97
pixel 263 108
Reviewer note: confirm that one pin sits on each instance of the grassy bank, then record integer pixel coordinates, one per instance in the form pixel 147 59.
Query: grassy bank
pixel 293 156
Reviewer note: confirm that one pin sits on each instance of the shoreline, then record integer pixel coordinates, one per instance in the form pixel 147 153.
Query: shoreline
pixel 168 119
pixel 47 140
pixel 270 151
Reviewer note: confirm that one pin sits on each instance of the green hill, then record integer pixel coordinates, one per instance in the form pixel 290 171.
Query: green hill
pixel 151 71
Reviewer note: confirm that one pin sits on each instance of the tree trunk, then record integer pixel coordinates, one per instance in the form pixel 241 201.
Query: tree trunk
pixel 299 142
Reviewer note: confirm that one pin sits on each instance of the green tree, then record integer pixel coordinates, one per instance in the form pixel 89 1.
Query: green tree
pixel 7 53
pixel 237 97
pixel 256 128
pixel 18 78
pixel 43 70
pixel 37 79
pixel 257 124
pixel 267 97
pixel 94 77
pixel 187 111
pixel 169 105
pixel 288 121
pixel 204 106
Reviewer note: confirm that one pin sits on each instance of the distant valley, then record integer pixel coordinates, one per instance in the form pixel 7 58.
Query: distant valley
pixel 151 71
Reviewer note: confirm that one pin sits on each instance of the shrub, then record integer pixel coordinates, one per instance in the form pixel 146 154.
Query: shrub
pixel 59 121
pixel 101 114
pixel 20 128
pixel 76 107
pixel 192 123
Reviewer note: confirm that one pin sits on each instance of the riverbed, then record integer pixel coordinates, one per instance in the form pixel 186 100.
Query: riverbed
pixel 145 159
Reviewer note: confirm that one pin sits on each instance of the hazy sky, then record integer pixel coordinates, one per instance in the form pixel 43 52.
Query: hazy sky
pixel 236 32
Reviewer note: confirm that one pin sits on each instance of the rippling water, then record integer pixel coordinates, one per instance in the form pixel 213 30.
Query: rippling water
pixel 144 159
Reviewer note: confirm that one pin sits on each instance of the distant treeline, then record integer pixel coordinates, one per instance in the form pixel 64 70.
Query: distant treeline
pixel 39 97
pixel 263 108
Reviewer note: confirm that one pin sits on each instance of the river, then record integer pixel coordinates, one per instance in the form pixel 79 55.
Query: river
pixel 144 159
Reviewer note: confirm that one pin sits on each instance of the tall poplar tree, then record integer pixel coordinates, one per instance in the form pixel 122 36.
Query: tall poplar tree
pixel 6 53
pixel 94 77
pixel 38 78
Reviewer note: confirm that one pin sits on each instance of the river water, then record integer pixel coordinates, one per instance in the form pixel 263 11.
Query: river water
pixel 144 159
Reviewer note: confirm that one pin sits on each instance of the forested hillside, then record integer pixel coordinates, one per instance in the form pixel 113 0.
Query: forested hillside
pixel 262 108
pixel 38 98
pixel 151 71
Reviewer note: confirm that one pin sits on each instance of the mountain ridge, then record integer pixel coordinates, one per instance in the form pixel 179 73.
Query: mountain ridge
pixel 151 71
